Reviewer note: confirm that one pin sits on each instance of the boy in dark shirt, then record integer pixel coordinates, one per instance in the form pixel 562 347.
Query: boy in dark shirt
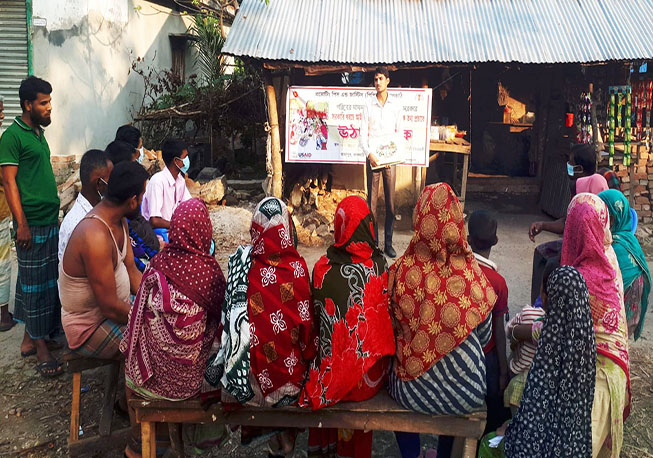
pixel 482 237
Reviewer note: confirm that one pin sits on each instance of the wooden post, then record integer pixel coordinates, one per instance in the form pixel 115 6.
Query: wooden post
pixel 148 439
pixel 110 388
pixel 469 450
pixel 74 410
pixel 176 438
pixel 277 185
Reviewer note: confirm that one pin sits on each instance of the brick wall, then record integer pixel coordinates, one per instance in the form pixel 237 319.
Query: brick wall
pixel 637 183
pixel 63 167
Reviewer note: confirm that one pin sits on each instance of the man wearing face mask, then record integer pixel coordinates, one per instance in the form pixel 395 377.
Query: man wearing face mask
pixel 95 292
pixel 167 188
pixel 581 171
pixel 32 196
pixel 94 170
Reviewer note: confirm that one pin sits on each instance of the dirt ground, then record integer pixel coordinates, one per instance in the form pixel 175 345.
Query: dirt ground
pixel 34 412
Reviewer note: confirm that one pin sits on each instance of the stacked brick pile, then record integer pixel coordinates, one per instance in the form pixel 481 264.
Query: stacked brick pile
pixel 637 184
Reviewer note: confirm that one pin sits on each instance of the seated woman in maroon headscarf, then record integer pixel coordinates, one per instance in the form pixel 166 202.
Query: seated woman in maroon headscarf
pixel 350 295
pixel 175 318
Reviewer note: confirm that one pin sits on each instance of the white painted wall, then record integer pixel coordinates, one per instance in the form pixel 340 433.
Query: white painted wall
pixel 85 51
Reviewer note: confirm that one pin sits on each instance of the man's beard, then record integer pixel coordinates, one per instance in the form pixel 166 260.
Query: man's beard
pixel 41 121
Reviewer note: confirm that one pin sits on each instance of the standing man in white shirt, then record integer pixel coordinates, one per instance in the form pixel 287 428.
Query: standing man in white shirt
pixel 380 126
pixel 94 170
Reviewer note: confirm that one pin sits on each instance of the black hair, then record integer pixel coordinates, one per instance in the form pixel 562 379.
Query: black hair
pixel 382 71
pixel 93 159
pixel 172 148
pixel 585 155
pixel 127 180
pixel 119 151
pixel 30 87
pixel 482 228
pixel 128 134
pixel 551 265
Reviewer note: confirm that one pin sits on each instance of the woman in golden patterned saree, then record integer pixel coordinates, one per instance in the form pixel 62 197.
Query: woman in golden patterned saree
pixel 441 301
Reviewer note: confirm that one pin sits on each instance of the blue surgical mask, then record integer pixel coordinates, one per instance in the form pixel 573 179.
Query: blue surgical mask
pixel 186 162
pixel 212 249
pixel 141 155
pixel 573 169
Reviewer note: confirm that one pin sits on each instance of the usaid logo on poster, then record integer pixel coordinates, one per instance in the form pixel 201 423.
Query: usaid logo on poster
pixel 323 124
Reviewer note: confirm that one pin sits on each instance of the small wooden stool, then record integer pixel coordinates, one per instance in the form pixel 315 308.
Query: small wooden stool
pixel 76 364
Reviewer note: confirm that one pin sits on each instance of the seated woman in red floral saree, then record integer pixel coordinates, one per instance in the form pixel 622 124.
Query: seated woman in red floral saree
pixel 350 295
pixel 269 336
pixel 175 318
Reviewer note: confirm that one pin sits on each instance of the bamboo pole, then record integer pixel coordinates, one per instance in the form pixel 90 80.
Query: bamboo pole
pixel 277 187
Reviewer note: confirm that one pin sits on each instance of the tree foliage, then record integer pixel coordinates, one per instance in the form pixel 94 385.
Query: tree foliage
pixel 226 96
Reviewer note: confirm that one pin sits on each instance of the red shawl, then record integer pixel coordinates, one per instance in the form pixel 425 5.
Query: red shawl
pixel 186 261
pixel 439 293
pixel 282 339
pixel 350 294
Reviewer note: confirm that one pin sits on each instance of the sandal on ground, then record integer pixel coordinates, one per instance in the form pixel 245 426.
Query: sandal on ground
pixel 49 369
pixel 7 326
pixel 52 345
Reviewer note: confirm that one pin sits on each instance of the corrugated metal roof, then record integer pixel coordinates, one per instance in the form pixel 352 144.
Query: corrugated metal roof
pixel 13 55
pixel 443 31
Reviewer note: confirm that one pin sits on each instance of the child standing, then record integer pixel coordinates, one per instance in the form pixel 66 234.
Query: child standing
pixel 482 228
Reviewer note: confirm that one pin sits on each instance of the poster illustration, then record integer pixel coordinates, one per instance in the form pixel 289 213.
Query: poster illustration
pixel 323 124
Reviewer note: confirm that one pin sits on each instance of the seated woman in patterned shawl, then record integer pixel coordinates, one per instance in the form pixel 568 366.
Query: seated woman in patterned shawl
pixel 269 336
pixel 555 414
pixel 350 296
pixel 175 318
pixel 587 246
pixel 441 301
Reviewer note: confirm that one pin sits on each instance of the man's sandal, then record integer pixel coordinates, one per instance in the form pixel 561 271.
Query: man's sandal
pixel 50 368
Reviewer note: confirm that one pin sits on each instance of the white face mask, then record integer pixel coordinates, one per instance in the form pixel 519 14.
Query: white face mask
pixel 141 156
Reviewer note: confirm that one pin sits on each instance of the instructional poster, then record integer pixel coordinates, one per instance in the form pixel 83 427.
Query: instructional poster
pixel 323 124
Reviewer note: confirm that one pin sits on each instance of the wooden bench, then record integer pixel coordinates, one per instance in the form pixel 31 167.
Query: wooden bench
pixel 378 413
pixel 76 364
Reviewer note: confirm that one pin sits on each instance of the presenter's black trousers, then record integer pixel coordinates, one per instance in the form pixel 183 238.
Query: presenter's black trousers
pixel 389 175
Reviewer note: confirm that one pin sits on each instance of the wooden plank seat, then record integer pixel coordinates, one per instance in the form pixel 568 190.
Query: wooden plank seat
pixel 378 413
pixel 76 364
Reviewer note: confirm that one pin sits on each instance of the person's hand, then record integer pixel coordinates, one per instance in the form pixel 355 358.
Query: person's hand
pixel 501 431
pixel 535 229
pixel 503 381
pixel 373 160
pixel 23 237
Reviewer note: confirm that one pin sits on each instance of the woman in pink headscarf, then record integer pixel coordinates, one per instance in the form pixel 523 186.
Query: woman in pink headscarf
pixel 594 184
pixel 587 246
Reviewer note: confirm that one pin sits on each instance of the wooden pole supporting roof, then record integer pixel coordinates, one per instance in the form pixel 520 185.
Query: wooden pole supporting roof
pixel 277 172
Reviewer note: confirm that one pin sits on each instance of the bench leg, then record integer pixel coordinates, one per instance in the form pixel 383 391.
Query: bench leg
pixel 176 439
pixel 469 451
pixel 148 439
pixel 110 388
pixel 74 410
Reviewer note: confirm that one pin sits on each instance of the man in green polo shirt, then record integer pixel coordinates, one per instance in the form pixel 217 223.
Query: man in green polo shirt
pixel 32 195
